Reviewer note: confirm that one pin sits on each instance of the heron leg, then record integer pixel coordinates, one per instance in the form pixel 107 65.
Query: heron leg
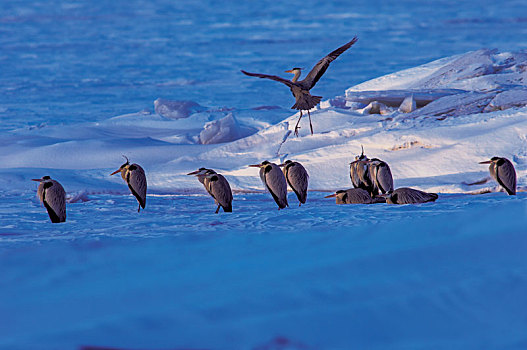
pixel 310 125
pixel 139 208
pixel 296 126
pixel 217 209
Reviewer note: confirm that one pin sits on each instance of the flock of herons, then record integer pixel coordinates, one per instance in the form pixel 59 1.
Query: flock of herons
pixel 371 178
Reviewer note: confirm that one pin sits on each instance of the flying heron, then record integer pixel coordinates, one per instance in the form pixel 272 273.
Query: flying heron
pixel 297 178
pixel 135 177
pixel 405 195
pixel 52 195
pixel 217 186
pixel 359 173
pixel 502 170
pixel 300 89
pixel 355 196
pixel 381 176
pixel 274 180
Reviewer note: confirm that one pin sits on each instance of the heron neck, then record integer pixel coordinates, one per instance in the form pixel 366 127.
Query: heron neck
pixel 297 75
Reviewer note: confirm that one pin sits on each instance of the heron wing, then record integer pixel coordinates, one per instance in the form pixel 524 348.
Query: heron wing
pixel 297 178
pixel 220 190
pixel 506 176
pixel 275 182
pixel 355 180
pixel 136 180
pixel 358 196
pixel 320 68
pixel 413 196
pixel 272 77
pixel 54 199
pixel 383 178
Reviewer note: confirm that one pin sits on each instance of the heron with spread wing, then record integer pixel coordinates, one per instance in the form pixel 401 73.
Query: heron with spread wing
pixel 300 89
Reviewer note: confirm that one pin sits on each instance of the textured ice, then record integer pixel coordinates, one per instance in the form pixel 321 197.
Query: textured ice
pixel 221 130
pixel 176 109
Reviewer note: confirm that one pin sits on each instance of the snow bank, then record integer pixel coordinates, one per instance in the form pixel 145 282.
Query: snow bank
pixel 432 124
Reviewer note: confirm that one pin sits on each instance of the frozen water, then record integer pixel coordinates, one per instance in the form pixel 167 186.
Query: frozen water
pixel 85 82
pixel 322 275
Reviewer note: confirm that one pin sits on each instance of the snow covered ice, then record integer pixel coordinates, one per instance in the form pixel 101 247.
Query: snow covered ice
pixel 423 89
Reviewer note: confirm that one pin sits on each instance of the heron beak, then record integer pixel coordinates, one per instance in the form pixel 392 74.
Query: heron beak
pixel 289 71
pixel 194 172
pixel 486 162
pixel 255 165
pixel 115 172
pixel 38 180
pixel 331 195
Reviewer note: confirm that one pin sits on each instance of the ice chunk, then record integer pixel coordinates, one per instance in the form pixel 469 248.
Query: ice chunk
pixel 176 109
pixel 222 130
pixel 470 65
pixel 394 98
pixel 455 105
pixel 408 105
pixel 79 197
pixel 376 108
pixel 508 99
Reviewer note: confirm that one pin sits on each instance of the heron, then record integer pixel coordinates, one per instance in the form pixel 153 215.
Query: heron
pixel 52 195
pixel 274 180
pixel 300 89
pixel 359 173
pixel 381 176
pixel 355 196
pixel 135 178
pixel 297 178
pixel 406 195
pixel 217 186
pixel 502 170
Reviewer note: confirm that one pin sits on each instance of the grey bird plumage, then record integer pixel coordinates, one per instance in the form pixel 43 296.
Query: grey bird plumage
pixel 405 195
pixel 381 176
pixel 274 180
pixel 355 196
pixel 360 173
pixel 297 178
pixel 300 89
pixel 502 170
pixel 217 186
pixel 135 178
pixel 53 197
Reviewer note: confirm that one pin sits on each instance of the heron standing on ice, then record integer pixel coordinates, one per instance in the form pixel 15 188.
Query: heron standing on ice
pixel 217 186
pixel 52 195
pixel 300 89
pixel 502 170
pixel 274 180
pixel 297 178
pixel 135 177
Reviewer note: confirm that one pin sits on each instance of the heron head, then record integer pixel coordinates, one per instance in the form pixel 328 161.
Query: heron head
pixel 201 171
pixel 262 164
pixel 492 160
pixel 44 178
pixel 362 155
pixel 287 162
pixel 124 166
pixel 295 70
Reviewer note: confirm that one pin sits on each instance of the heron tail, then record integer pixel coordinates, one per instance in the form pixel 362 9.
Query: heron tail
pixel 306 101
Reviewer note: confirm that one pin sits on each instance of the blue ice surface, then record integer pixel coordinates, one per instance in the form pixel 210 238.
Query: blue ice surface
pixel 445 275
pixel 448 275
